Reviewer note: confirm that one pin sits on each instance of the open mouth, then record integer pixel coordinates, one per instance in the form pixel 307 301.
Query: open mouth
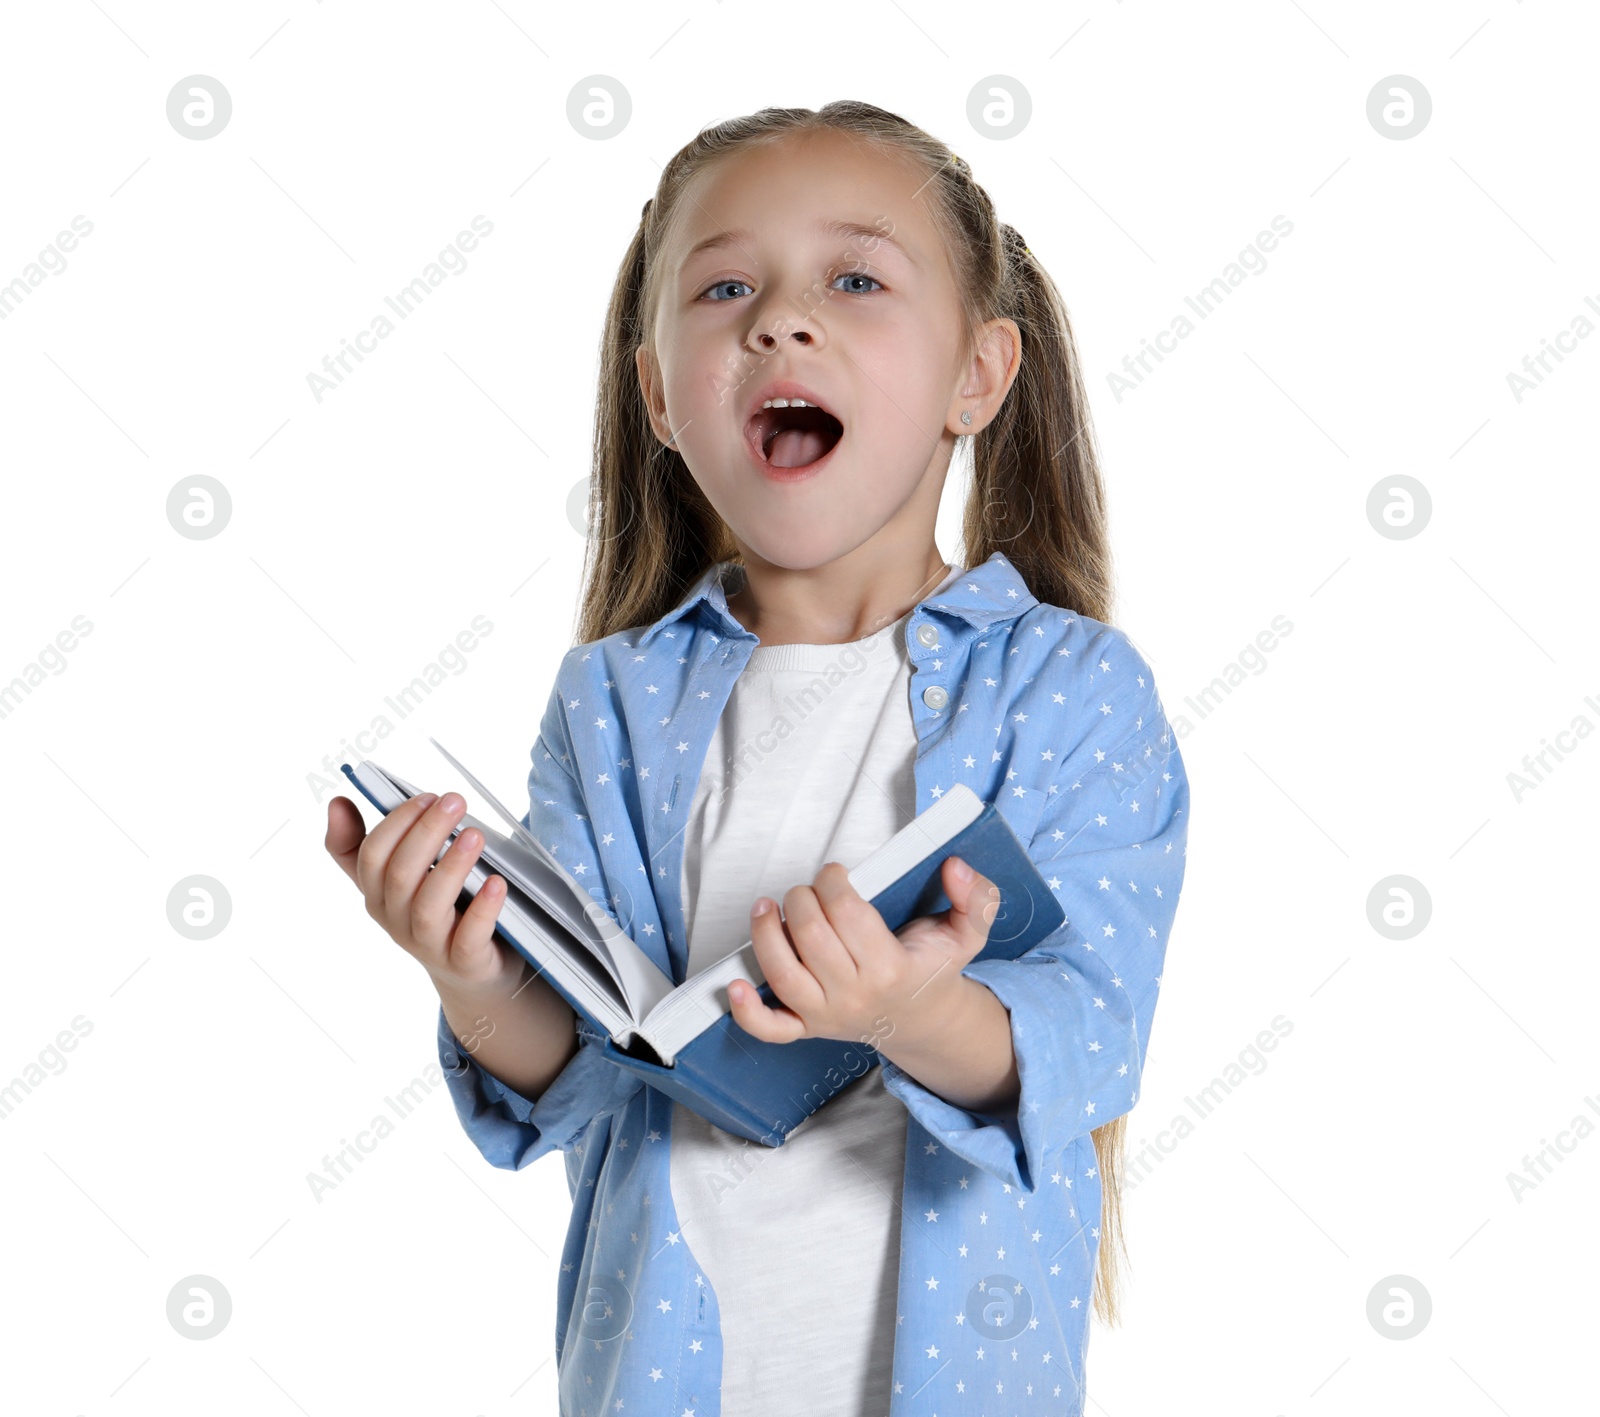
pixel 793 437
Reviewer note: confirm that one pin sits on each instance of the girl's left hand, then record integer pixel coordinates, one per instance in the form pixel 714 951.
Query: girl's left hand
pixel 840 972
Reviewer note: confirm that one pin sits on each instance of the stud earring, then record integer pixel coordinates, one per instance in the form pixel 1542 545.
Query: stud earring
pixel 966 415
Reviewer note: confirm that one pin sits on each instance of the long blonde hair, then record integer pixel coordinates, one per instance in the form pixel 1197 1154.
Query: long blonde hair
pixel 1036 490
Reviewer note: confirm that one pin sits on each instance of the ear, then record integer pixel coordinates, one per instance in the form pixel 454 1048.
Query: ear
pixel 987 379
pixel 651 386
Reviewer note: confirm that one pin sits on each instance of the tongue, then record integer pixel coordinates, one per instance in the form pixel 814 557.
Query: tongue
pixel 797 447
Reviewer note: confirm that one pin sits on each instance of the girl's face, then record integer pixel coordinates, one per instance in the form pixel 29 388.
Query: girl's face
pixel 809 268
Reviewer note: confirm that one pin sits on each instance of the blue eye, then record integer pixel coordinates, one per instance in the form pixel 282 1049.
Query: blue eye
pixel 858 275
pixel 711 292
pixel 722 285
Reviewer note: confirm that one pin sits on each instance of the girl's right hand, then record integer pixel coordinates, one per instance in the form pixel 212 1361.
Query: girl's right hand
pixel 414 899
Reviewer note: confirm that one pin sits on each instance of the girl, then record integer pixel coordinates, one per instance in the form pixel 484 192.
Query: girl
pixel 776 670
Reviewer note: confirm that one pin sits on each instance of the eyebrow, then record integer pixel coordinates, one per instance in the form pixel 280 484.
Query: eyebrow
pixel 836 227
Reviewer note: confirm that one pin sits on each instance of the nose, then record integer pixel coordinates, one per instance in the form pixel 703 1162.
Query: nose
pixel 769 330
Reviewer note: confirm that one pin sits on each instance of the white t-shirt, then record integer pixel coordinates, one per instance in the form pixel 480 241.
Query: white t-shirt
pixel 820 743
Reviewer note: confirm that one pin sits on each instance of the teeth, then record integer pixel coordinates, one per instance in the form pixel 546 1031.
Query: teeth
pixel 788 403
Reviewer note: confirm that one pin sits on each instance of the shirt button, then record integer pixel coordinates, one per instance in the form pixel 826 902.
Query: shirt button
pixel 928 634
pixel 935 697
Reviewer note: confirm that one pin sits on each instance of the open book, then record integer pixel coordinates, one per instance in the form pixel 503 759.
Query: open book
pixel 683 1038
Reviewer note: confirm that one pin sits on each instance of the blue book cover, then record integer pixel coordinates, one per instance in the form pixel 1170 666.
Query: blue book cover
pixel 682 1040
pixel 762 1091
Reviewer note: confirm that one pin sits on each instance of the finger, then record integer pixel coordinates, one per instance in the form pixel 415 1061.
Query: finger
pixel 816 942
pixel 772 1025
pixel 433 907
pixel 346 832
pixel 792 983
pixel 417 851
pixel 974 903
pixel 855 922
pixel 373 858
pixel 471 943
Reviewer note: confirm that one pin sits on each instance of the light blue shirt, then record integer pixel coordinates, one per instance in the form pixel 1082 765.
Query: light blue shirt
pixel 1055 718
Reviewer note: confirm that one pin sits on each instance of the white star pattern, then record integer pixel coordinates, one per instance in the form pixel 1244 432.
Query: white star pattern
pixel 1066 736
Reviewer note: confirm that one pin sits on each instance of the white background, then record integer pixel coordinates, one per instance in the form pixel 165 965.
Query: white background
pixel 189 731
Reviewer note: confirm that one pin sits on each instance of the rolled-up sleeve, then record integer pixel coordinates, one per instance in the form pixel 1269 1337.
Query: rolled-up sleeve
pixel 1110 843
pixel 509 1129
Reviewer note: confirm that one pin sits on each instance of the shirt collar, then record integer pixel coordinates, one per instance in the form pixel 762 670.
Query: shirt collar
pixel 982 596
